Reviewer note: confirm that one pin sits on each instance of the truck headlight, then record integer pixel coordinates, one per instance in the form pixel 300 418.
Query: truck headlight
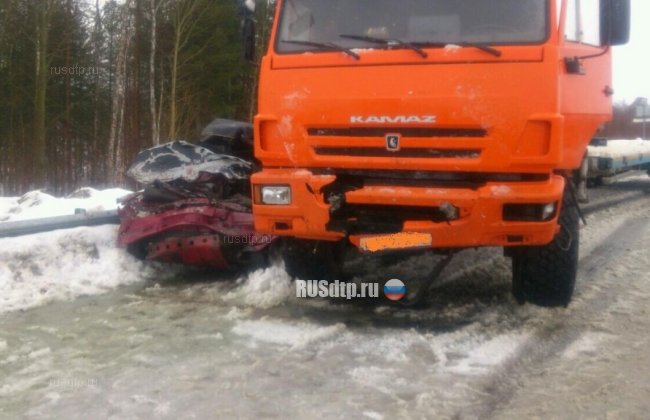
pixel 548 211
pixel 533 212
pixel 276 195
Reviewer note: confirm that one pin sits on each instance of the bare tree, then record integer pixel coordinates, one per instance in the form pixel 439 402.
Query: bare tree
pixel 155 135
pixel 97 50
pixel 116 137
pixel 39 161
pixel 62 132
pixel 154 111
pixel 184 23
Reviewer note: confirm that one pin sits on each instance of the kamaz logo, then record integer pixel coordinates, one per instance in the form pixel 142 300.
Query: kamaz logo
pixel 393 142
pixel 400 119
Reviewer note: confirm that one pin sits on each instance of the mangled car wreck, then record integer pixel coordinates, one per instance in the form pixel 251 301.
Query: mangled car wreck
pixel 195 207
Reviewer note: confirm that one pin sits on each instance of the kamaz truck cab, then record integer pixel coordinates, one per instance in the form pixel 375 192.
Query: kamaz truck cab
pixel 433 124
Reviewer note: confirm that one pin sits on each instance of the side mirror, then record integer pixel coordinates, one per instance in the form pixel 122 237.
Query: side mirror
pixel 614 22
pixel 248 39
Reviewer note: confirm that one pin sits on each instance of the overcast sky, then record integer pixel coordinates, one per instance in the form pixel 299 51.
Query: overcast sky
pixel 632 61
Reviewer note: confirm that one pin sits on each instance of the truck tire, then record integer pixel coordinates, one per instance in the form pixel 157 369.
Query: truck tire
pixel 546 275
pixel 311 260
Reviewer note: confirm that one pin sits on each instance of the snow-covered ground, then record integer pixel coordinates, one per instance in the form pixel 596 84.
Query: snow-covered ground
pixel 38 204
pixel 64 264
pixel 200 345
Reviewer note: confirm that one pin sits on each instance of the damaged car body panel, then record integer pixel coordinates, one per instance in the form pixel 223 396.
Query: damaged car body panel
pixel 195 207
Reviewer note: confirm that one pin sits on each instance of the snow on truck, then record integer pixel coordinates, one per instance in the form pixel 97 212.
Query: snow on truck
pixel 418 124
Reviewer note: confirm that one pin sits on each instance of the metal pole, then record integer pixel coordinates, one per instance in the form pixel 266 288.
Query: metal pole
pixel 643 102
pixel 644 116
pixel 80 218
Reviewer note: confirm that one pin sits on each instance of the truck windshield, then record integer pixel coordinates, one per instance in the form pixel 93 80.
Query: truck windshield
pixel 410 22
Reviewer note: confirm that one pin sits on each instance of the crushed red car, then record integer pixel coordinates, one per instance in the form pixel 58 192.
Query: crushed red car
pixel 195 207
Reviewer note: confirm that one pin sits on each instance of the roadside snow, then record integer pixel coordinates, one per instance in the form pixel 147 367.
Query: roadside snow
pixel 296 336
pixel 6 203
pixel 264 288
pixel 37 269
pixel 63 264
pixel 252 349
pixel 37 204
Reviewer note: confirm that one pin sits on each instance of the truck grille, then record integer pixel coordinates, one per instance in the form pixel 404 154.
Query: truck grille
pixel 328 142
pixel 347 180
pixel 404 131
pixel 411 152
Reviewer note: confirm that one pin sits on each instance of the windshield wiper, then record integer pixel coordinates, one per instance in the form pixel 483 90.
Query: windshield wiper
pixel 390 42
pixel 483 47
pixel 325 46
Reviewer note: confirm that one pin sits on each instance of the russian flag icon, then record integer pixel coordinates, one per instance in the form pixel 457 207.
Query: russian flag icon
pixel 394 289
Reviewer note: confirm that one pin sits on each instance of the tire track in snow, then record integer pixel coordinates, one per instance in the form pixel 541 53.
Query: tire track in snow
pixel 556 335
pixel 627 190
pixel 615 202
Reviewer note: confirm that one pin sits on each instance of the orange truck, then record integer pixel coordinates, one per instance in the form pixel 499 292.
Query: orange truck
pixel 393 126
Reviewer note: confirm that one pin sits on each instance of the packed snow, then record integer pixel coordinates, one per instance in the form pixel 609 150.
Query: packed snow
pixel 264 288
pixel 64 264
pixel 198 344
pixel 37 204
pixel 296 336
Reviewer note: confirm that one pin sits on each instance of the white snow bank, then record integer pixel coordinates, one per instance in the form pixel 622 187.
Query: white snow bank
pixel 6 203
pixel 263 288
pixel 621 148
pixel 37 204
pixel 296 336
pixel 63 264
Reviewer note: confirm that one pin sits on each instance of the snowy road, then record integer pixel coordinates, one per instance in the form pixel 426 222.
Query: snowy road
pixel 192 346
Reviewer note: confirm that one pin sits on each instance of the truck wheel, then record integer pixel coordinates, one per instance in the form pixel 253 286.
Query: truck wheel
pixel 546 275
pixel 311 260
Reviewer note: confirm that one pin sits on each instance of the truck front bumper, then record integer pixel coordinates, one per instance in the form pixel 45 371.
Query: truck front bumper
pixel 477 216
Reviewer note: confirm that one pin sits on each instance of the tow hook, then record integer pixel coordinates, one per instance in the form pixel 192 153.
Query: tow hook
pixel 449 211
pixel 574 199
